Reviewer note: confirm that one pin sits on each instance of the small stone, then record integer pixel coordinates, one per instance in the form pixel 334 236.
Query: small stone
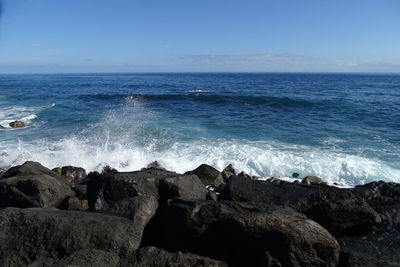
pixel 313 180
pixel 295 175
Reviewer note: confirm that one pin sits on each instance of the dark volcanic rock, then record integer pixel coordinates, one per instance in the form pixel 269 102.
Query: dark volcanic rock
pixel 154 165
pixel 384 198
pixel 17 124
pixel 208 175
pixel 74 175
pixel 245 234
pixel 151 256
pixel 87 257
pixel 374 249
pixel 33 191
pixel 34 236
pixel 341 211
pixel 228 172
pixel 29 168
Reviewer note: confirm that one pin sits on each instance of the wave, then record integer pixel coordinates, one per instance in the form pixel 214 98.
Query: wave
pixel 20 113
pixel 262 159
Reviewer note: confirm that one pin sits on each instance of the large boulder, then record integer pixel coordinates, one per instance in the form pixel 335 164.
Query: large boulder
pixel 33 191
pixel 29 168
pixel 208 175
pixel 244 234
pixel 315 180
pixel 34 236
pixel 341 211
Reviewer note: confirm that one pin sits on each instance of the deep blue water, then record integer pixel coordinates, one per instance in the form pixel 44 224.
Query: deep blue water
pixel 342 127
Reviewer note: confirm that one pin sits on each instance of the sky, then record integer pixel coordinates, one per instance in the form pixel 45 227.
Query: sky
pixel 58 36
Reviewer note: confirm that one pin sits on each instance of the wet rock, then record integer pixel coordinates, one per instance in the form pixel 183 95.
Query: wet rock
pixel 29 168
pixel 152 256
pixel 33 191
pixel 341 211
pixel 17 124
pixel 33 237
pixel 208 175
pixel 314 180
pixel 73 175
pixel 374 249
pixel 244 234
pixel 275 180
pixel 295 175
pixel 155 165
pixel 2 127
pixel 228 172
pixel 212 196
pixel 108 169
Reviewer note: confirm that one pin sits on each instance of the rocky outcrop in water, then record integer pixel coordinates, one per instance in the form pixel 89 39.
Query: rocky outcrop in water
pixel 17 124
pixel 154 217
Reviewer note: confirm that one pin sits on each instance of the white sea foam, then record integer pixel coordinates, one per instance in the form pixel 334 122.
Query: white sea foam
pixel 256 158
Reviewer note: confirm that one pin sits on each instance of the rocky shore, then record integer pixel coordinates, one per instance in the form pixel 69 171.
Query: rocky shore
pixel 155 217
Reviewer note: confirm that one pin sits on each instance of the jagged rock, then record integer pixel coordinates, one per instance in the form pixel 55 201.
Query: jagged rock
pixel 208 175
pixel 29 168
pixel 384 198
pixel 374 249
pixel 154 257
pixel 154 165
pixel 228 172
pixel 73 175
pixel 314 180
pixel 212 196
pixel 2 127
pixel 31 237
pixel 33 191
pixel 17 124
pixel 341 211
pixel 242 234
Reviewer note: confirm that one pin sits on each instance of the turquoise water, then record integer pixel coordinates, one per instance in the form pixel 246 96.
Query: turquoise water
pixel 341 127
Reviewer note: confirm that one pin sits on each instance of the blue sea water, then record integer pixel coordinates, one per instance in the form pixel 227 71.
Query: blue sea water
pixel 344 128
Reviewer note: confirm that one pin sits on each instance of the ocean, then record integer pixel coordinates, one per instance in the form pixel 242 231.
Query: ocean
pixel 344 128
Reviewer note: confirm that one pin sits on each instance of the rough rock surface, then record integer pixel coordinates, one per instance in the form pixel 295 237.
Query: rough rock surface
pixel 153 257
pixel 31 236
pixel 208 175
pixel 373 249
pixel 341 211
pixel 245 234
pixel 73 175
pixel 17 124
pixel 228 172
pixel 33 191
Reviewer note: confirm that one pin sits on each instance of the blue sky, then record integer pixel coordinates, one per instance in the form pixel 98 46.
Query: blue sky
pixel 199 35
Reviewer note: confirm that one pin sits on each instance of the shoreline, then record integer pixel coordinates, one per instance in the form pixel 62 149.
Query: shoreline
pixel 155 217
